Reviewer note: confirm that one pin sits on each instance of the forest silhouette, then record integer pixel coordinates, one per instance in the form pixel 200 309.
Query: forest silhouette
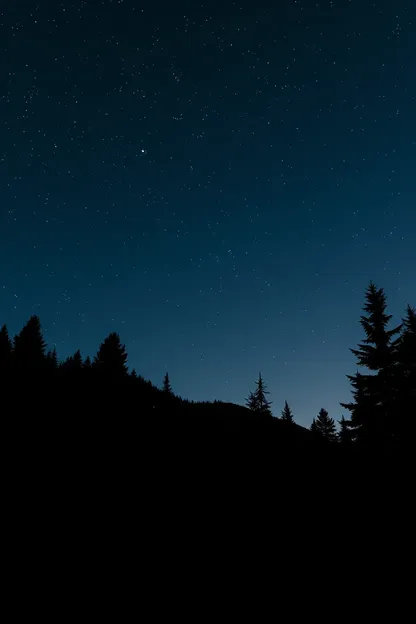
pixel 100 400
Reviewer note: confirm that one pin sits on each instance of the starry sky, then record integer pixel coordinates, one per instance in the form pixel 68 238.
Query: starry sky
pixel 218 182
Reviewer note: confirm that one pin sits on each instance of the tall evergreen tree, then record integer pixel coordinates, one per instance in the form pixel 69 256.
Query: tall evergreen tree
pixel 29 346
pixel 167 388
pixel 375 393
pixel 257 401
pixel 364 409
pixel 377 351
pixel 287 414
pixel 111 358
pixel 324 427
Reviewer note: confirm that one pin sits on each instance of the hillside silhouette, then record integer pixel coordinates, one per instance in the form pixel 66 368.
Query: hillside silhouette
pixel 100 463
pixel 97 403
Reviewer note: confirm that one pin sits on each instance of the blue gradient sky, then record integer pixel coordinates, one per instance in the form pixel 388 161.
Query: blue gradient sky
pixel 217 182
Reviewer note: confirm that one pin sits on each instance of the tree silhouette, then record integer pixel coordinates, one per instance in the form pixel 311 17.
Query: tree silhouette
pixel 364 409
pixel 314 428
pixel 374 394
pixel 73 365
pixel 111 358
pixel 377 351
pixel 323 427
pixel 29 347
pixel 77 358
pixel 167 388
pixel 287 414
pixel 383 408
pixel 257 401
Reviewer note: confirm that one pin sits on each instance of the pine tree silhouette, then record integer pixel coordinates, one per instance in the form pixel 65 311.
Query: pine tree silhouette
pixel 378 351
pixel 29 347
pixel 251 401
pixel 167 388
pixel 362 407
pixel 257 401
pixel 314 428
pixel 77 359
pixel 73 364
pixel 111 358
pixel 374 395
pixel 324 427
pixel 287 414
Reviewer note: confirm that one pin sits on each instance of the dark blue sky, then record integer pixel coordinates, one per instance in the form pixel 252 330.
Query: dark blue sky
pixel 218 182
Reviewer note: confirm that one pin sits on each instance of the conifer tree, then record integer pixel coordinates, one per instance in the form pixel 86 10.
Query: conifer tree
pixel 363 408
pixel 251 401
pixel 324 427
pixel 73 364
pixel 87 365
pixel 314 428
pixel 377 352
pixel 167 388
pixel 29 346
pixel 257 401
pixel 77 359
pixel 287 414
pixel 111 358
pixel 375 394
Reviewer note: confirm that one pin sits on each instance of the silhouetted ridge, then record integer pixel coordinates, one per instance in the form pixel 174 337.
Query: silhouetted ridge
pixel 96 401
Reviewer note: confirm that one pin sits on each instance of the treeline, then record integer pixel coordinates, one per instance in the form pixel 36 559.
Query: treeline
pixel 382 411
pixel 102 386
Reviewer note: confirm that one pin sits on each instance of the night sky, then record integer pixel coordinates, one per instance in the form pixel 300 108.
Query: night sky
pixel 217 182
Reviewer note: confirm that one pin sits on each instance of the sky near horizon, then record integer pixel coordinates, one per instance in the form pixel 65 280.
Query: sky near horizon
pixel 218 182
